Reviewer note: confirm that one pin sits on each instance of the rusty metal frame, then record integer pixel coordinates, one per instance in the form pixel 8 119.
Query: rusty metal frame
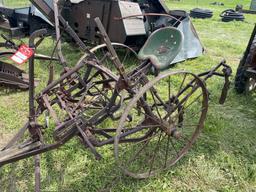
pixel 75 124
pixel 34 129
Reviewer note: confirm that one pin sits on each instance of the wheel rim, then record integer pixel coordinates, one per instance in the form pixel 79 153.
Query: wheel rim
pixel 127 56
pixel 162 137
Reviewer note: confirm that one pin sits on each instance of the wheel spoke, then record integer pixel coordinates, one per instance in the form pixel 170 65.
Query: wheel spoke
pixel 136 155
pixel 173 146
pixel 167 150
pixel 154 153
pixel 126 54
pixel 156 106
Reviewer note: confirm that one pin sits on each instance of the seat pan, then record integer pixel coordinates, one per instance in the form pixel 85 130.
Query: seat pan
pixel 162 46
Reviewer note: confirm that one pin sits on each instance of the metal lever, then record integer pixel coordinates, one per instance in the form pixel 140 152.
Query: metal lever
pixel 119 66
pixel 227 73
pixel 73 34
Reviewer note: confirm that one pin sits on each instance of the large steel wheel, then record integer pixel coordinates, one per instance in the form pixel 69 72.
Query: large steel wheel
pixel 160 124
pixel 92 89
pixel 92 86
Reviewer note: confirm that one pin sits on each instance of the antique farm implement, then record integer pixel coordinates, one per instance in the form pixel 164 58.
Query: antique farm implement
pixel 151 117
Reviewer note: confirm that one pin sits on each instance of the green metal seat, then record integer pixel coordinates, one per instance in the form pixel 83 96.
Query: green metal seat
pixel 162 47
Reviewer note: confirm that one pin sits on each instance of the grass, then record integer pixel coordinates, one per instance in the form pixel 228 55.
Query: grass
pixel 223 159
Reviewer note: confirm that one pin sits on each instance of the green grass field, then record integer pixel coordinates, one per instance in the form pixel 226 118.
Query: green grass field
pixel 223 158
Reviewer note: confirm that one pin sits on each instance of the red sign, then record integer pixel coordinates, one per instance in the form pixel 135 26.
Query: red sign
pixel 22 55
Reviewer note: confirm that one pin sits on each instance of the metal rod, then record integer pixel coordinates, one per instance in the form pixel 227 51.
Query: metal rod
pixel 31 85
pixel 32 112
pixel 17 137
pixel 147 14
pixel 37 174
pixel 119 66
pixel 57 29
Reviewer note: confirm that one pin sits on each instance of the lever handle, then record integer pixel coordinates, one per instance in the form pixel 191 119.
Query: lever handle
pixel 227 72
pixel 224 92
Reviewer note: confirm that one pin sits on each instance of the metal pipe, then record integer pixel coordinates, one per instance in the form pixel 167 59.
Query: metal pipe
pixel 32 112
pixel 57 29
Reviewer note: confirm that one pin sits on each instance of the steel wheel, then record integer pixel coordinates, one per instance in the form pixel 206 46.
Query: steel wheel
pixel 167 116
pixel 105 122
pixel 127 56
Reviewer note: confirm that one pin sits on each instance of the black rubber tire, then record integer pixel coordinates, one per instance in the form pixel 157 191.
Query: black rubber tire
pixel 231 15
pixel 201 13
pixel 178 13
pixel 241 79
pixel 217 3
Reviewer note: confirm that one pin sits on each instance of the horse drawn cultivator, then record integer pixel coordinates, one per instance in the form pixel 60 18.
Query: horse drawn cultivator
pixel 151 117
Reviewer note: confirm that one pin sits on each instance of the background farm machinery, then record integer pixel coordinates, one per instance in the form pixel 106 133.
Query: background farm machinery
pixel 21 22
pixel 251 10
pixel 126 22
pixel 246 73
